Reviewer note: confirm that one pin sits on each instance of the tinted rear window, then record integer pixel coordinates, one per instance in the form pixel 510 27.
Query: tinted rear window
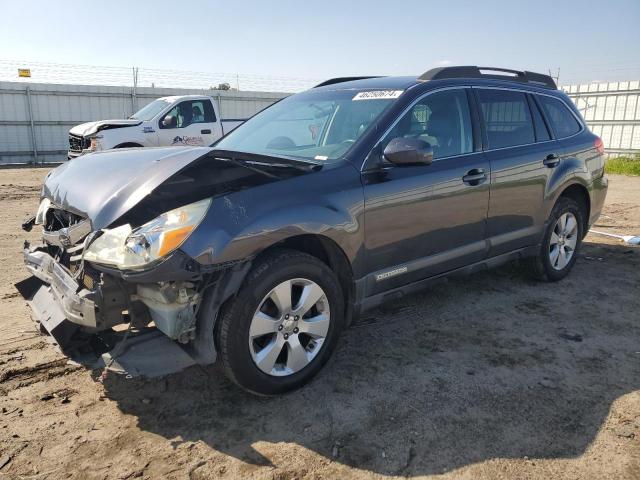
pixel 562 121
pixel 507 118
pixel 542 133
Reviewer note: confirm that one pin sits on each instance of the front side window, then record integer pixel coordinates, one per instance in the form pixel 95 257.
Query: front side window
pixel 315 125
pixel 563 122
pixel 187 113
pixel 506 117
pixel 441 119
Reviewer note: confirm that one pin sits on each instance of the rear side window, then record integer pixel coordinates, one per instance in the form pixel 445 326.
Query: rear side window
pixel 207 108
pixel 506 117
pixel 542 134
pixel 562 121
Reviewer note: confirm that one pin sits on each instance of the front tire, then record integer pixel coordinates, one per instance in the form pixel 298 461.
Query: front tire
pixel 560 242
pixel 283 325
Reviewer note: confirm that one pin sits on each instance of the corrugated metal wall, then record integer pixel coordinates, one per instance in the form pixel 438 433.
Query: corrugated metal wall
pixel 44 113
pixel 612 111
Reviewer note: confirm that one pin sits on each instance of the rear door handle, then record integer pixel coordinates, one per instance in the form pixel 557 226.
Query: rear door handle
pixel 205 132
pixel 474 177
pixel 552 160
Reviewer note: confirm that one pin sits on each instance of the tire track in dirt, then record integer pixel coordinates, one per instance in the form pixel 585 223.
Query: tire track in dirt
pixel 23 376
pixel 18 192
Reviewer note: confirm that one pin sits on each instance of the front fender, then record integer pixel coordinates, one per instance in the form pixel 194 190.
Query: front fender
pixel 117 136
pixel 239 226
pixel 224 246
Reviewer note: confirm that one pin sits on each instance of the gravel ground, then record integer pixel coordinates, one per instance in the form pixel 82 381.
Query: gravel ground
pixel 488 376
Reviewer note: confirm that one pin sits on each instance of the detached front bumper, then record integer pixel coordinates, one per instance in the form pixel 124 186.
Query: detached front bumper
pixel 79 320
pixel 77 305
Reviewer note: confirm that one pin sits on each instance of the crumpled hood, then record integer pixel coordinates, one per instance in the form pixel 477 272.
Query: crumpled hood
pixel 102 186
pixel 90 128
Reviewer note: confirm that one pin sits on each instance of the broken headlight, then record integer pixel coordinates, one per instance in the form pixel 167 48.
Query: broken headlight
pixel 125 248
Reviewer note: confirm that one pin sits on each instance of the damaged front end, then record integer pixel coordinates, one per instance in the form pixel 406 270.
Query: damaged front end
pixel 85 290
pixel 133 247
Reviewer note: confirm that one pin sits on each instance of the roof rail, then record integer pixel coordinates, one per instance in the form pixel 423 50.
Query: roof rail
pixel 332 81
pixel 538 79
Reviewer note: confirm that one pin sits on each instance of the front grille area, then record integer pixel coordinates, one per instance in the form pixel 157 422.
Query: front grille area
pixel 64 233
pixel 77 143
pixel 58 218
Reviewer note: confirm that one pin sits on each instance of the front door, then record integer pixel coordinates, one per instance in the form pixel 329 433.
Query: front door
pixel 190 123
pixel 424 220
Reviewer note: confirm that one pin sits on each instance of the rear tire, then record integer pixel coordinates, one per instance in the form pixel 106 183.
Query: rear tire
pixel 561 241
pixel 283 325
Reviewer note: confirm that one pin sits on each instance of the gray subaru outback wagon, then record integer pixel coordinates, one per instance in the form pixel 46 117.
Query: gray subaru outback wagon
pixel 259 250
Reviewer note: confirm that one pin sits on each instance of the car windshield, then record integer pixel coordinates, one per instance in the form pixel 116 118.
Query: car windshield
pixel 315 125
pixel 148 112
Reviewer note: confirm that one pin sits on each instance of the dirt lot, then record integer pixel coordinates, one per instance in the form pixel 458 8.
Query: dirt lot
pixel 489 376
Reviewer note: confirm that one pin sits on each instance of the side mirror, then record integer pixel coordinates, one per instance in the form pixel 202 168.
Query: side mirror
pixel 169 121
pixel 408 151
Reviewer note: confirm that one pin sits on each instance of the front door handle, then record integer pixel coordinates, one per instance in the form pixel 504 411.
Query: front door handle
pixel 552 160
pixel 205 132
pixel 474 177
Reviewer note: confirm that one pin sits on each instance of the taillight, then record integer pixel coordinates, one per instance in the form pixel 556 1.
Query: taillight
pixel 599 145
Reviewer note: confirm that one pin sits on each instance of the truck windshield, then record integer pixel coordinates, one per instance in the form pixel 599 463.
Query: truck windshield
pixel 316 125
pixel 148 112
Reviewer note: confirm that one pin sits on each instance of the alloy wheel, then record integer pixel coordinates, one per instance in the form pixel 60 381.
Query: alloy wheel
pixel 289 327
pixel 563 241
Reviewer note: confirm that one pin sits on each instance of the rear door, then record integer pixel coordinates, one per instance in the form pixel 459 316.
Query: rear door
pixel 522 154
pixel 424 220
pixel 190 122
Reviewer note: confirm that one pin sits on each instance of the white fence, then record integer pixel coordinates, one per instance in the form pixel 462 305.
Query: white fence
pixel 612 111
pixel 35 118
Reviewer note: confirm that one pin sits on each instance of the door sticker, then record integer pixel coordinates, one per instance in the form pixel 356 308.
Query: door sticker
pixel 186 140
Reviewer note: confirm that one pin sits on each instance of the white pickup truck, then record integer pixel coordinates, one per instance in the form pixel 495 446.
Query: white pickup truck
pixel 180 120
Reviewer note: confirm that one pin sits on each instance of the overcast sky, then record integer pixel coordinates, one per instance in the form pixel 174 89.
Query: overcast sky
pixel 325 38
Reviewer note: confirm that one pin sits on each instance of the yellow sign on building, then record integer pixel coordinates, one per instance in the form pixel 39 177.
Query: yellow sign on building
pixel 24 72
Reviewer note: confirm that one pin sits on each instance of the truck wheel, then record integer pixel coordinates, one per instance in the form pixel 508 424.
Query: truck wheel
pixel 128 145
pixel 282 326
pixel 561 241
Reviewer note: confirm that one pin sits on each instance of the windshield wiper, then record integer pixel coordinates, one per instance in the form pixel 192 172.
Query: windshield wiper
pixel 267 160
pixel 247 164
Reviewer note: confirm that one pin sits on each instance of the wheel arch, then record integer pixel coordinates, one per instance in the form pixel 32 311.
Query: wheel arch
pixel 319 246
pixel 129 145
pixel 580 194
pixel 328 252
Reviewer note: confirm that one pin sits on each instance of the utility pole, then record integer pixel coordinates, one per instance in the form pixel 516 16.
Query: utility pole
pixel 557 77
pixel 134 98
